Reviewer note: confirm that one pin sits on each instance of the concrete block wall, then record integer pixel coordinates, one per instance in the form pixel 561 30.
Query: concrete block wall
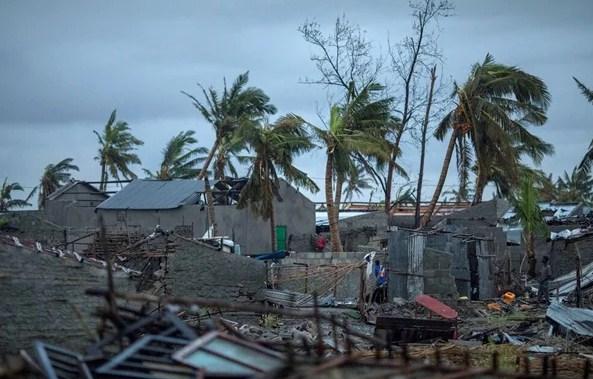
pixel 197 270
pixel 438 279
pixel 42 297
pixel 347 286
pixel 363 229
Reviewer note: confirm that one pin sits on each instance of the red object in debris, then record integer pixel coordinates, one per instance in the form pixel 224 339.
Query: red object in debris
pixel 320 243
pixel 437 307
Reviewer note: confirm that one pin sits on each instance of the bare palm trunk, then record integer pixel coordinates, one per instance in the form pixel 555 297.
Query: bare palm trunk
pixel 530 251
pixel 220 163
pixel 391 172
pixel 423 146
pixel 211 153
pixel 203 175
pixel 334 229
pixel 388 184
pixel 439 188
pixel 103 185
pixel 338 194
pixel 273 228
pixel 480 185
pixel 338 203
pixel 211 212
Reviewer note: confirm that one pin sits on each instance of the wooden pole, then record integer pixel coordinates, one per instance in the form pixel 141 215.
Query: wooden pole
pixel 578 272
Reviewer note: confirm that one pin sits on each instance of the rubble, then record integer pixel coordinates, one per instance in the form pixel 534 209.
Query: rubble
pixel 315 328
pixel 151 337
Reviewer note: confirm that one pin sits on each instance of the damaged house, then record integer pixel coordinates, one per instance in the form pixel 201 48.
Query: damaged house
pixel 180 205
pixel 73 205
pixel 457 256
pixel 569 235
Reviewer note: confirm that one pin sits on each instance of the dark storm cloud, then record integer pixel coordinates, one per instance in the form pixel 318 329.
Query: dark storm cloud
pixel 66 64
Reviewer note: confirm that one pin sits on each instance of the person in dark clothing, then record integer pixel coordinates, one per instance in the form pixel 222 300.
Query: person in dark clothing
pixel 543 292
pixel 379 294
pixel 377 268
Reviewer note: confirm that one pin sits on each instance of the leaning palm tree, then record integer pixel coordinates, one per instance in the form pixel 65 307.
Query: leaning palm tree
pixel 585 164
pixel 55 176
pixel 505 177
pixel 236 108
pixel 180 159
pixel 228 112
pixel 356 128
pixel 493 109
pixel 6 200
pixel 530 217
pixel 116 151
pixel 274 147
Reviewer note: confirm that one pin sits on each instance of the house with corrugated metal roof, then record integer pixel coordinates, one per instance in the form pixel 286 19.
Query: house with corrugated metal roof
pixel 180 205
pixel 73 205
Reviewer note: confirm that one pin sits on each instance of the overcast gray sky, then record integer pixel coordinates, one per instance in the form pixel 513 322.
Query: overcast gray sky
pixel 67 64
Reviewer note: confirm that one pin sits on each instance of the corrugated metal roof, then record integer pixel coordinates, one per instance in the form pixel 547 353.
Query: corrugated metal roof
pixel 65 188
pixel 578 320
pixel 566 284
pixel 144 194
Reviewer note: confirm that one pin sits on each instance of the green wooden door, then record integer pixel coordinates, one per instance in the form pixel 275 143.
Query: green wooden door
pixel 280 237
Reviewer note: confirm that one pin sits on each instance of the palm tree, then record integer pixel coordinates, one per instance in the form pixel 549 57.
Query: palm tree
pixel 356 128
pixel 55 176
pixel 235 108
pixel 274 146
pixel 116 146
pixel 588 158
pixel 6 200
pixel 546 188
pixel 529 214
pixel 493 109
pixel 228 155
pixel 356 182
pixel 180 159
pixel 575 187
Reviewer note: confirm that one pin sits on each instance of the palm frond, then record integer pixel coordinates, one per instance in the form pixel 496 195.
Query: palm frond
pixel 588 93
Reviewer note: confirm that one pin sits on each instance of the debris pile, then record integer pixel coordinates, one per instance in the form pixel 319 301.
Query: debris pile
pixel 145 336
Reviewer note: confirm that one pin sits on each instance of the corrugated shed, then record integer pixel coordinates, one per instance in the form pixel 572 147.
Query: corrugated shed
pixel 144 194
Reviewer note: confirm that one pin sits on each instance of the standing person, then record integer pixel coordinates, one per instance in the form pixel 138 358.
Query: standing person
pixel 543 292
pixel 378 293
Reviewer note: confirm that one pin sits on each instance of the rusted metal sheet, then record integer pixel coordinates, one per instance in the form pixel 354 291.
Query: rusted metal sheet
pixel 437 307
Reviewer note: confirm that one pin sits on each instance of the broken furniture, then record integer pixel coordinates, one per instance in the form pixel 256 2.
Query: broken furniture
pixel 58 363
pixel 148 358
pixel 218 354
